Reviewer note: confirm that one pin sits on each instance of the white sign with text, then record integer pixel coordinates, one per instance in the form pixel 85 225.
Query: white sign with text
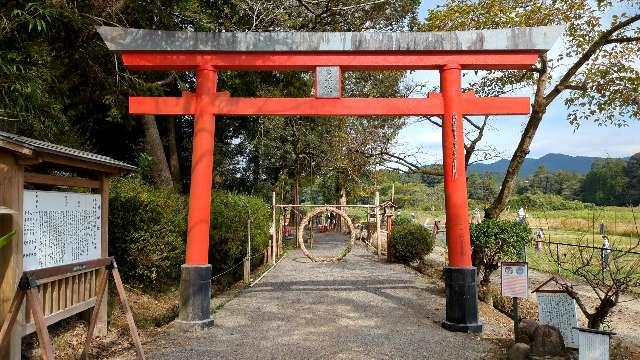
pixel 60 228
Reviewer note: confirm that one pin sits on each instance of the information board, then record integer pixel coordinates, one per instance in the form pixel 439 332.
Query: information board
pixel 60 228
pixel 593 346
pixel 515 279
pixel 559 309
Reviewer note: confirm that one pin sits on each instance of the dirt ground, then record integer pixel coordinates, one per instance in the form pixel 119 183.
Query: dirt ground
pixel 624 319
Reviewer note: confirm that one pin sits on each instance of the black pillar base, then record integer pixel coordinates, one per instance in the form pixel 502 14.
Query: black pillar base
pixel 462 300
pixel 195 298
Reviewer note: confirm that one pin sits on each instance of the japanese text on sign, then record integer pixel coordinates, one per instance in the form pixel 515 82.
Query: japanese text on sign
pixel 515 282
pixel 60 228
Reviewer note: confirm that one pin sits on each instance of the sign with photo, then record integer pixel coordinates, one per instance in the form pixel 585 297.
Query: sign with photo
pixel 515 279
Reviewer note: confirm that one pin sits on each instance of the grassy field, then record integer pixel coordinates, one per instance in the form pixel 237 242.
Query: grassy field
pixel 569 227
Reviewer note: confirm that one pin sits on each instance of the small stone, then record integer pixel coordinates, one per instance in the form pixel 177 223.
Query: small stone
pixel 518 351
pixel 526 328
pixel 547 341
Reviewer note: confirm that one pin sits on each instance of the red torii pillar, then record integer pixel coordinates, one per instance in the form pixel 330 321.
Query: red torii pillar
pixel 158 50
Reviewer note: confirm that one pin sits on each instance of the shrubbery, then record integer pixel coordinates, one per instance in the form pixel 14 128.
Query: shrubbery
pixel 545 202
pixel 147 229
pixel 410 242
pixel 229 215
pixel 497 240
pixel 402 218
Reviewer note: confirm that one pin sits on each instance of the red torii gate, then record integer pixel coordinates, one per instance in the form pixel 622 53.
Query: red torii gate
pixel 328 54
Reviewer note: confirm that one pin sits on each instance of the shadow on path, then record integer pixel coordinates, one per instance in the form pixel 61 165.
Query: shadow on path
pixel 357 308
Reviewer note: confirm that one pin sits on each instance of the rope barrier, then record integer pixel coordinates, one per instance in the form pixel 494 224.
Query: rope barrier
pixel 229 269
pixel 226 271
pixel 591 247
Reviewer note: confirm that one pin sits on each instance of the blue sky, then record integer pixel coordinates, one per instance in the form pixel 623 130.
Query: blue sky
pixel 555 134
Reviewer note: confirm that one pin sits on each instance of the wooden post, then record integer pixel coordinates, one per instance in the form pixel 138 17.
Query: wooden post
pixel 101 321
pixel 95 315
pixel 11 192
pixel 393 192
pixel 247 259
pixel 125 307
pixel 33 299
pixel 378 238
pixel 273 223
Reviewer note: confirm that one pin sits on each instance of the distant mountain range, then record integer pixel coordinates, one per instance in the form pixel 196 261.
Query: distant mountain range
pixel 552 162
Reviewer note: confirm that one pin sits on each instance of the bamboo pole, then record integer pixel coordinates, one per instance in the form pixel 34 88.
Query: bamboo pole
pixel 247 258
pixel 273 222
pixel 378 238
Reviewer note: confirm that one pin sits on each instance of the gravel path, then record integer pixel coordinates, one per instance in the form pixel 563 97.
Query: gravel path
pixel 355 309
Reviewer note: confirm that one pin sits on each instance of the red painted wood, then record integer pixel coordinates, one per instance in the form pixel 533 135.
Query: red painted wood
pixel 199 216
pixel 349 61
pixel 237 106
pixel 455 179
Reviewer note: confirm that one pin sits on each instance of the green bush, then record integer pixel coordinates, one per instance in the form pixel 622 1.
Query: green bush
pixel 497 240
pixel 545 202
pixel 402 218
pixel 410 242
pixel 230 213
pixel 147 230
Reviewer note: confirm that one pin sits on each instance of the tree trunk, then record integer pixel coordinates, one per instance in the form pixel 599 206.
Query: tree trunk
pixel 538 109
pixel 296 201
pixel 153 146
pixel 602 311
pixel 174 160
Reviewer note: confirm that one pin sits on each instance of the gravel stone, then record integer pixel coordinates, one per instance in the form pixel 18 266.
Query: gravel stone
pixel 357 308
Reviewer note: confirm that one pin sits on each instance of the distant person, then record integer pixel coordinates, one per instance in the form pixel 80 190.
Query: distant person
pixel 605 251
pixel 436 228
pixel 413 217
pixel 601 228
pixel 539 238
pixel 521 216
pixel 476 218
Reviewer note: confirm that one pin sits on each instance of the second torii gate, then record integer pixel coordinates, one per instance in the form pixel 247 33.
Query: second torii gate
pixel 328 54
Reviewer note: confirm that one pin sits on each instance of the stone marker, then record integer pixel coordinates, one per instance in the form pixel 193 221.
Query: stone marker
pixel 547 341
pixel 518 351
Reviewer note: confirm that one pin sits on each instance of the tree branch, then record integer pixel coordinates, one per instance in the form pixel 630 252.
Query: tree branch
pixel 586 56
pixel 474 142
pixel 622 39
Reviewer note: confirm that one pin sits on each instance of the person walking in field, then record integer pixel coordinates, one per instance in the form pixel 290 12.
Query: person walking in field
pixel 436 228
pixel 605 251
pixel 601 228
pixel 477 216
pixel 539 238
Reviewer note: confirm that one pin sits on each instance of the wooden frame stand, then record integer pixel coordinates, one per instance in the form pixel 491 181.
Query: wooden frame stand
pixel 28 286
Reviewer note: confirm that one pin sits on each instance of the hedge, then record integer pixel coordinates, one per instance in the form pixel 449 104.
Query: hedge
pixel 147 229
pixel 410 242
pixel 545 202
pixel 230 213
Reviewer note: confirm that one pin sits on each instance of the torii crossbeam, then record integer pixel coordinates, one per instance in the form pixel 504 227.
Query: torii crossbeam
pixel 328 55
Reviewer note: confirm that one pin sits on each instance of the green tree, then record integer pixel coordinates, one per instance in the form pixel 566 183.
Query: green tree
pixel 632 171
pixel 494 241
pixel 59 82
pixel 482 187
pixel 596 75
pixel 606 183
pixel 540 181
